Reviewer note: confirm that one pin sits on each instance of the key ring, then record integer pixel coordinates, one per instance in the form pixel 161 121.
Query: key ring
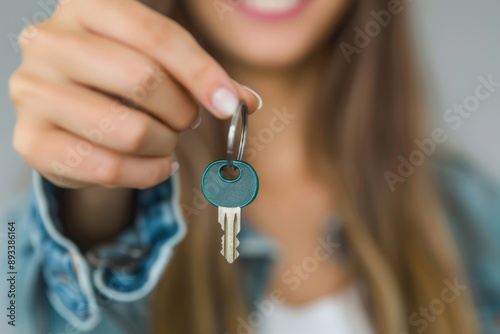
pixel 241 112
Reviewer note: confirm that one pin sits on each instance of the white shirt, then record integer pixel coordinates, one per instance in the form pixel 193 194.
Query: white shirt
pixel 342 313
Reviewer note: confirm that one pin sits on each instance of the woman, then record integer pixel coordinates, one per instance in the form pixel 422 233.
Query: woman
pixel 106 92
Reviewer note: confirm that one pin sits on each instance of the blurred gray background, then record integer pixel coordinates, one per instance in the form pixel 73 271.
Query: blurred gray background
pixel 457 41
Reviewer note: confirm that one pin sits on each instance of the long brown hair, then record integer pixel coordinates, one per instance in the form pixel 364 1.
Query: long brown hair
pixel 369 114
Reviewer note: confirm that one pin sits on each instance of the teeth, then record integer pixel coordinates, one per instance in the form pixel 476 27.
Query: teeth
pixel 272 6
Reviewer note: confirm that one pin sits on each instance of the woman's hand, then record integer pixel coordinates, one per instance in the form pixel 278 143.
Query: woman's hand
pixel 105 87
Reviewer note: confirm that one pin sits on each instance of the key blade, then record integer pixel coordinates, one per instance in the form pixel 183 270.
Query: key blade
pixel 229 219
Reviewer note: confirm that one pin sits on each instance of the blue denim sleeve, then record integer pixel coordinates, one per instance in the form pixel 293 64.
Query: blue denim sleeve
pixel 73 286
pixel 473 202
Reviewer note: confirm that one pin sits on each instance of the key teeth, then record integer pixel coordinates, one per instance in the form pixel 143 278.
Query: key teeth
pixel 236 253
pixel 222 244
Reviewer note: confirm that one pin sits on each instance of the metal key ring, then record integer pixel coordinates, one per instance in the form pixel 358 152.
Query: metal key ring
pixel 241 112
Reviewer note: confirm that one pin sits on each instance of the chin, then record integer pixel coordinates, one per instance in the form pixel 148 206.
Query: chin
pixel 269 57
pixel 267 33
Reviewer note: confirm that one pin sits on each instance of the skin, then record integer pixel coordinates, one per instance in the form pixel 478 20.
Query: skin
pixel 113 42
pixel 120 46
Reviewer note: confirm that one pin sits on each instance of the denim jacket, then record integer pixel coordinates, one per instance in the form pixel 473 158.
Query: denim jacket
pixel 57 291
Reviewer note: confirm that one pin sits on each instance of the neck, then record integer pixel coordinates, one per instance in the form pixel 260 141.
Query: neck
pixel 276 147
pixel 288 95
pixel 290 194
pixel 294 87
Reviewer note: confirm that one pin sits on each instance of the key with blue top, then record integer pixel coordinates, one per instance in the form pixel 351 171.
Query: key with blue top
pixel 230 195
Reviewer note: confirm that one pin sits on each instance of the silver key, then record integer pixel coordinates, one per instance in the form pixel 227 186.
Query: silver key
pixel 230 195
pixel 229 219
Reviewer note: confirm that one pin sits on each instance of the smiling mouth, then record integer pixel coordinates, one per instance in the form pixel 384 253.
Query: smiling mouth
pixel 273 9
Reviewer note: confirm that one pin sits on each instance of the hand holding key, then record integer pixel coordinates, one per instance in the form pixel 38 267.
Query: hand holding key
pixel 231 195
pixel 120 77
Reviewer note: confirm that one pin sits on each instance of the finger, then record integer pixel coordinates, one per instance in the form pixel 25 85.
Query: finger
pixel 251 97
pixel 96 117
pixel 169 44
pixel 72 161
pixel 120 71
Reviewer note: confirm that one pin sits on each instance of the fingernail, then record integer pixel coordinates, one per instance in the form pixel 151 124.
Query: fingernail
pixel 196 122
pixel 259 106
pixel 174 167
pixel 225 101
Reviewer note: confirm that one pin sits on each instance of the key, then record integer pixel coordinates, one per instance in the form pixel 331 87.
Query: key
pixel 230 196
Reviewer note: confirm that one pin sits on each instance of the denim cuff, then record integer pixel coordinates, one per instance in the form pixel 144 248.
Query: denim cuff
pixel 74 287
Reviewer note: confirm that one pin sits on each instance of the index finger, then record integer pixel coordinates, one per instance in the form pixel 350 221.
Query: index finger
pixel 172 46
